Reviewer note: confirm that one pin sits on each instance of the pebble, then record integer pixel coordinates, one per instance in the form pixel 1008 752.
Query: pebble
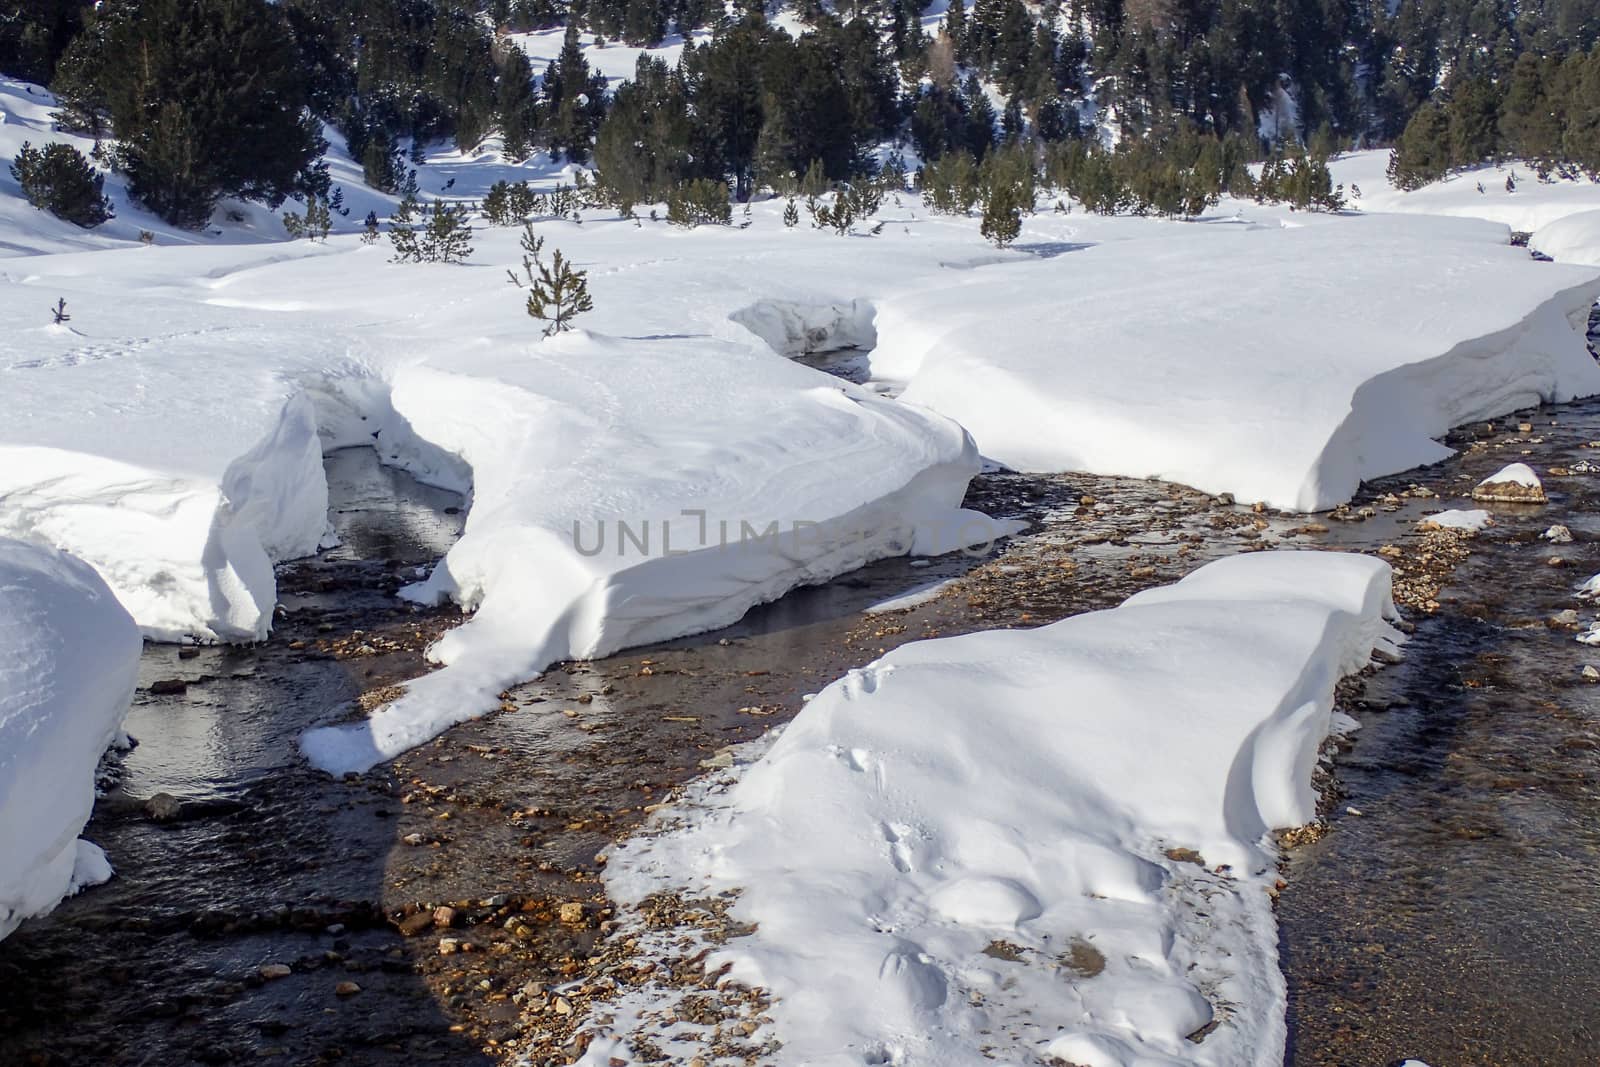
pixel 270 971
pixel 1558 535
pixel 449 946
pixel 571 913
pixel 444 917
pixel 346 989
pixel 1590 674
pixel 413 839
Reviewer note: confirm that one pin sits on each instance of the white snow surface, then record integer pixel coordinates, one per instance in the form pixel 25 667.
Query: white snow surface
pixel 625 493
pixel 1279 364
pixel 1571 239
pixel 1470 519
pixel 69 658
pixel 1532 205
pixel 1515 474
pixel 1025 787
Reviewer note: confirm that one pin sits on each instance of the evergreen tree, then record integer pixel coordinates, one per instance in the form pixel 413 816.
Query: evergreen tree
pixel 180 80
pixel 57 179
pixel 556 293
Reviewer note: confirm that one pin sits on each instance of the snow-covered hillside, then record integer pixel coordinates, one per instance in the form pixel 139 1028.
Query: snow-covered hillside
pixel 1044 845
pixel 69 656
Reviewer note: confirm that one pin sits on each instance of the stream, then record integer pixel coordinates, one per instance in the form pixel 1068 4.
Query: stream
pixel 263 912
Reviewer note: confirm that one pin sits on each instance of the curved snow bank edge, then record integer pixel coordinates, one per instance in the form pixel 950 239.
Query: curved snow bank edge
pixel 1395 417
pixel 660 598
pixel 69 660
pixel 1025 787
pixel 796 328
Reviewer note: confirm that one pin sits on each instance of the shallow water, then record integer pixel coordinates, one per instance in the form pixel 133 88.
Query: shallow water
pixel 1451 920
pixel 1456 919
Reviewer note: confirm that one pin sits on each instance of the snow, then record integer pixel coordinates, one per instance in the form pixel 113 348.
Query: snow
pixel 1279 364
pixel 1027 787
pixel 1471 520
pixel 1513 474
pixel 69 657
pixel 1571 239
pixel 171 432
pixel 1590 589
pixel 625 493
pixel 1533 205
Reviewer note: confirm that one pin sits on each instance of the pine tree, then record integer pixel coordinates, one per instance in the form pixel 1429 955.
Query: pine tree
pixel 179 80
pixel 57 179
pixel 556 293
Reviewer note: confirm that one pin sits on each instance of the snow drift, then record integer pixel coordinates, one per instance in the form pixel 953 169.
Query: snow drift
pixel 1107 781
pixel 1571 239
pixel 632 491
pixel 1278 364
pixel 69 657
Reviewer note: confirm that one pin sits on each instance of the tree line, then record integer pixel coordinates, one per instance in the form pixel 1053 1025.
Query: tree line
pixel 196 100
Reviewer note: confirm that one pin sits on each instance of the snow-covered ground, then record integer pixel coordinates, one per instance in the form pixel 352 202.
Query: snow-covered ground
pixel 1571 239
pixel 170 432
pixel 69 656
pixel 1531 204
pixel 1030 846
pixel 1278 364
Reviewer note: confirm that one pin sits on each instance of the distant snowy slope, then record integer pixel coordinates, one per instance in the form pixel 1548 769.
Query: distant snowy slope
pixel 69 656
pixel 1282 365
pixel 1037 846
pixel 1526 207
pixel 628 492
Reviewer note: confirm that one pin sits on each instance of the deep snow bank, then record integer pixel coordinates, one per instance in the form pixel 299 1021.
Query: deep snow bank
pixel 1278 364
pixel 181 464
pixel 1023 789
pixel 628 491
pixel 69 657
pixel 1571 239
pixel 1479 193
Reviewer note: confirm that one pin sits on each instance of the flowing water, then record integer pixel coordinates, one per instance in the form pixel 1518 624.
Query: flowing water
pixel 1452 915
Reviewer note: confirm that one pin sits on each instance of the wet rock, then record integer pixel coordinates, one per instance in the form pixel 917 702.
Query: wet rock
pixel 163 807
pixel 449 946
pixel 273 971
pixel 1565 620
pixel 415 923
pixel 444 917
pixel 1558 535
pixel 168 687
pixel 346 989
pixel 571 913
pixel 1185 855
pixel 1590 674
pixel 1513 484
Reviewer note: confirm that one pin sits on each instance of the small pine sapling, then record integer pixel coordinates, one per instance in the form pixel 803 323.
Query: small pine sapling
pixel 556 293
pixel 59 312
pixel 791 214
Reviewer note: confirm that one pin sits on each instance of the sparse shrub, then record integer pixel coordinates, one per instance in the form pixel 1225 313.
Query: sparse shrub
pixel 445 236
pixel 58 179
pixel 950 184
pixel 315 224
pixel 699 202
pixel 510 204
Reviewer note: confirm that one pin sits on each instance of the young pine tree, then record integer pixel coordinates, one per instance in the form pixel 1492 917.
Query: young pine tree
pixel 556 293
